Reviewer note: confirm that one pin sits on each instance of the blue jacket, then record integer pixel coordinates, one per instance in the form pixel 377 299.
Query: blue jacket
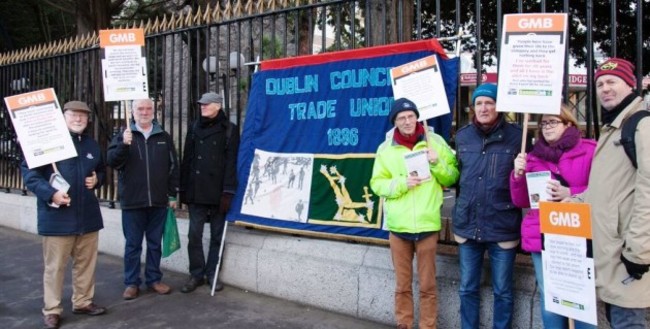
pixel 484 210
pixel 83 215
pixel 148 168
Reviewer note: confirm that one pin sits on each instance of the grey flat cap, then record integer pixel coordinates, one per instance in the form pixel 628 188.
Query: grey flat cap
pixel 210 97
pixel 77 106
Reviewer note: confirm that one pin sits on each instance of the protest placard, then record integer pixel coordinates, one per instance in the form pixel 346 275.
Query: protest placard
pixel 421 82
pixel 124 67
pixel 531 63
pixel 40 126
pixel 568 263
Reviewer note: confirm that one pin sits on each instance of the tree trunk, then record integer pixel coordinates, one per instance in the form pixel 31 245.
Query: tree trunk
pixel 380 20
pixel 93 15
pixel 306 22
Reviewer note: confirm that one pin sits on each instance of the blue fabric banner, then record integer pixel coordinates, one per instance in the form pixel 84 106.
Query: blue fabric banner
pixel 311 129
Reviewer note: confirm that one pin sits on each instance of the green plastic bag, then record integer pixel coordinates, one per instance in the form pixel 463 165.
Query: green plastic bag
pixel 171 239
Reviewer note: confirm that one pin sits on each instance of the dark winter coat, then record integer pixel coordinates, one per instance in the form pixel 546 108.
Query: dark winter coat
pixel 83 215
pixel 484 210
pixel 148 168
pixel 209 165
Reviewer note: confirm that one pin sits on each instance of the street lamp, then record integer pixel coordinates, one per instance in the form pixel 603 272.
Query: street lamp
pixel 211 66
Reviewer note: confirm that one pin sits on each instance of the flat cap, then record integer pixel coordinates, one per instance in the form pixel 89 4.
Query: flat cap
pixel 210 97
pixel 77 106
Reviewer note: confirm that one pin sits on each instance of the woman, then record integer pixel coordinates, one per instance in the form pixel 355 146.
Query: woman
pixel 561 150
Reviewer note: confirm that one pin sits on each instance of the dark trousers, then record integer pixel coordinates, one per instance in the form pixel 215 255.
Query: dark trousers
pixel 138 223
pixel 199 215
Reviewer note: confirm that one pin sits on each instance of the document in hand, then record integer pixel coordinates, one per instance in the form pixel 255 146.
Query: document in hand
pixel 536 182
pixel 58 182
pixel 417 164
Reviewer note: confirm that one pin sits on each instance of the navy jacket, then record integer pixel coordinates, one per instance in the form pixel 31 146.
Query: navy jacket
pixel 148 168
pixel 83 215
pixel 484 210
pixel 209 165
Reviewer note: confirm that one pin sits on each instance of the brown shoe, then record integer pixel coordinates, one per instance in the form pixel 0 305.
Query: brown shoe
pixel 51 321
pixel 160 288
pixel 131 292
pixel 91 309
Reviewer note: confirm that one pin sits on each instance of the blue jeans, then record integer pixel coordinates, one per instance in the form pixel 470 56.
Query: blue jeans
pixel 136 224
pixel 199 214
pixel 625 318
pixel 550 319
pixel 471 264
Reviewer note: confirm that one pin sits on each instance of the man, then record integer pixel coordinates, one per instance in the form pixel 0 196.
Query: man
pixel 484 218
pixel 208 183
pixel 145 157
pixel 619 195
pixel 69 219
pixel 412 208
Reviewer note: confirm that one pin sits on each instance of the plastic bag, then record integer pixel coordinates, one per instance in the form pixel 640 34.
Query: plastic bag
pixel 171 239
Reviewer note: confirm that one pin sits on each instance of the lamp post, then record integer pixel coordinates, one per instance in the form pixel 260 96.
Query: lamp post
pixel 236 62
pixel 211 65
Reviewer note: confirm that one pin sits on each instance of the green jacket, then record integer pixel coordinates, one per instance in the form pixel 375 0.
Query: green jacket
pixel 416 210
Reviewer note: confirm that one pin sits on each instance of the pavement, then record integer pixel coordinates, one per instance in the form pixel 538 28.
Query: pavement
pixel 21 299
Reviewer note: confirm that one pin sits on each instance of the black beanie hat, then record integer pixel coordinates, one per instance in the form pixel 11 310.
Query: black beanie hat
pixel 401 105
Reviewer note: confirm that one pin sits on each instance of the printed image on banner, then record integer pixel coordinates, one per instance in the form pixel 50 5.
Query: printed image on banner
pixel 279 178
pixel 312 127
pixel 341 193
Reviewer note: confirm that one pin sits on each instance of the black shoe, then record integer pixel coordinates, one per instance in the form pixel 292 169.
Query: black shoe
pixel 191 284
pixel 218 286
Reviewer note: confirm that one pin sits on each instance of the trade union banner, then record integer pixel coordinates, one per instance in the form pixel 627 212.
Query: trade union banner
pixel 312 127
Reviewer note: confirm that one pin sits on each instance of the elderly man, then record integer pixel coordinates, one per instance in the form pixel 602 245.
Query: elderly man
pixel 69 218
pixel 619 195
pixel 145 156
pixel 208 183
pixel 484 217
pixel 413 230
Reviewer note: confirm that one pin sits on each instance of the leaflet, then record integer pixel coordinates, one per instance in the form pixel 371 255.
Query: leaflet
pixel 417 164
pixel 536 182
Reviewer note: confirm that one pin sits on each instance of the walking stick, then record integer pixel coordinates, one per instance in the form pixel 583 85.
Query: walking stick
pixel 216 270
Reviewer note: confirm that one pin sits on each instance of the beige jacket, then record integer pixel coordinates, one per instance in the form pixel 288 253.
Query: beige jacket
pixel 620 207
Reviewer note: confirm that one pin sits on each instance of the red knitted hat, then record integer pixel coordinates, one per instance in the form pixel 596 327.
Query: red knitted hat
pixel 618 67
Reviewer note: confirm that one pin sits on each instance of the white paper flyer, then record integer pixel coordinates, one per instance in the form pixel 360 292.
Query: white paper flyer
pixel 536 182
pixel 417 164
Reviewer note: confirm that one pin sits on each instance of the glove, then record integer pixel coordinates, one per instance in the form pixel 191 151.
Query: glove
pixel 224 204
pixel 633 269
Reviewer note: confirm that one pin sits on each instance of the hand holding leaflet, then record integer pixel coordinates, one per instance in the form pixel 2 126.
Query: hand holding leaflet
pixel 417 164
pixel 60 184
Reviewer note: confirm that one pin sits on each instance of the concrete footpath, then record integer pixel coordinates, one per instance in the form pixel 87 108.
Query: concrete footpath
pixel 21 299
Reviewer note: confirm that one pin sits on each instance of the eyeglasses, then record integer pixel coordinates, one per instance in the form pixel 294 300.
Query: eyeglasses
pixel 549 124
pixel 409 117
pixel 77 115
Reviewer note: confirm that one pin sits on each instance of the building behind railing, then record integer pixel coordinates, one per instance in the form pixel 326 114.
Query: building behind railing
pixel 214 49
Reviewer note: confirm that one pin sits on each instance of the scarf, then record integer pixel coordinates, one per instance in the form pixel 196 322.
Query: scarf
pixel 552 152
pixel 609 116
pixel 207 122
pixel 409 141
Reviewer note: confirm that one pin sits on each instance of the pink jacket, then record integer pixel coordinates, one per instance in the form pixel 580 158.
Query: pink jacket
pixel 574 167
